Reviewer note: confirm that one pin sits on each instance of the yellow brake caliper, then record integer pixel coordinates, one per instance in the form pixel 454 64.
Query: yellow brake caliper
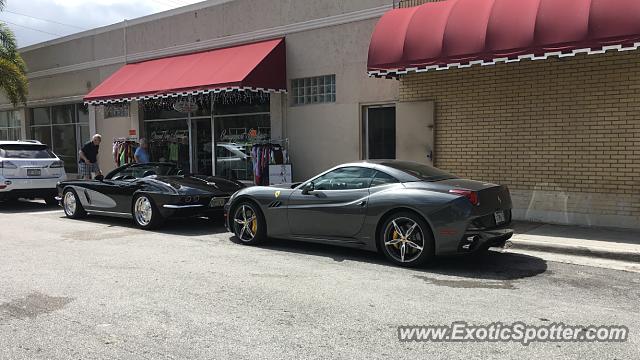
pixel 395 236
pixel 254 225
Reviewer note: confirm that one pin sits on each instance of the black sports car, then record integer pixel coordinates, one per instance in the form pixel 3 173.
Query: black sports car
pixel 408 211
pixel 148 193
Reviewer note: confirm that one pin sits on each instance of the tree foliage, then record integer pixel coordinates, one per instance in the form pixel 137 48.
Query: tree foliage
pixel 13 78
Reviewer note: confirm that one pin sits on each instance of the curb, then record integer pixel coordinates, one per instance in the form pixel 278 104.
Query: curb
pixel 631 255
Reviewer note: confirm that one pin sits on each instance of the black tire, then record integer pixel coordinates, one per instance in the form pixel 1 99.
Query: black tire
pixel 418 246
pixel 71 205
pixel 251 233
pixel 147 216
pixel 51 201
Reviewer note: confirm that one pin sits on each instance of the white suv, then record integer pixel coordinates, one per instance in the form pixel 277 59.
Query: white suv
pixel 28 169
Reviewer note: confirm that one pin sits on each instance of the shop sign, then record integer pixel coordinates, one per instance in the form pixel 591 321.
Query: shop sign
pixel 185 106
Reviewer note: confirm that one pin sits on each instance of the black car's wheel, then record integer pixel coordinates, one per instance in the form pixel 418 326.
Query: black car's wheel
pixel 51 201
pixel 71 205
pixel 406 239
pixel 248 224
pixel 145 213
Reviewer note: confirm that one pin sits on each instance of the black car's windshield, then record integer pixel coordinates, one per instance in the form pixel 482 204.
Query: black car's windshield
pixel 421 171
pixel 142 170
pixel 25 151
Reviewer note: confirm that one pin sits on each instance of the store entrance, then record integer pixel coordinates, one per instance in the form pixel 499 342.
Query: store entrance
pixel 202 145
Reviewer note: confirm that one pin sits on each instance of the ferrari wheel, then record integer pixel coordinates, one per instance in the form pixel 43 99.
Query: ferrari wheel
pixel 248 224
pixel 145 214
pixel 406 239
pixel 71 204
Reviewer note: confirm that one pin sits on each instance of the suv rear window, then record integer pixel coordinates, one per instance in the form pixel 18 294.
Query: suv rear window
pixel 25 151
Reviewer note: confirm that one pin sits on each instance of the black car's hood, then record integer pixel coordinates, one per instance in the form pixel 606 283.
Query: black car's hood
pixel 198 184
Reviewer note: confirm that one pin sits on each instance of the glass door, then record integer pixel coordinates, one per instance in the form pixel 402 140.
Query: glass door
pixel 202 145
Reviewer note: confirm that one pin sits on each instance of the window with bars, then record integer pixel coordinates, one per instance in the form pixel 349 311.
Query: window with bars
pixel 116 110
pixel 314 90
pixel 10 125
pixel 64 128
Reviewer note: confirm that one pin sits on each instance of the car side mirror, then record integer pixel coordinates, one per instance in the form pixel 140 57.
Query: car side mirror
pixel 99 177
pixel 308 188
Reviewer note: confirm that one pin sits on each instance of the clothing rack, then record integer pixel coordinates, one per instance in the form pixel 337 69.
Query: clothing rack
pixel 124 149
pixel 265 154
pixel 124 139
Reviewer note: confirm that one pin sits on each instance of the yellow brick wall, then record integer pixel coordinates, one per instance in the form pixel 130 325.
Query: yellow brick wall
pixel 566 126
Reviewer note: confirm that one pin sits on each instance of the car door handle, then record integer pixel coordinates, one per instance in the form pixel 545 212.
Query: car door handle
pixel 362 203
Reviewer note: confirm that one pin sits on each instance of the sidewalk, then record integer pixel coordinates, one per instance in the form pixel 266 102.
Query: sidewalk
pixel 607 243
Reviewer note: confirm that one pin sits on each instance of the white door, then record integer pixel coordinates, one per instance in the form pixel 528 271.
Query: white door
pixel 414 131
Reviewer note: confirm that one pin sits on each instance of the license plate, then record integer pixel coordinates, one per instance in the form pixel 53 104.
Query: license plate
pixel 217 202
pixel 34 172
pixel 499 216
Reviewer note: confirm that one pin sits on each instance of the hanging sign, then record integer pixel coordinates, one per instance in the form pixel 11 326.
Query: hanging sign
pixel 185 106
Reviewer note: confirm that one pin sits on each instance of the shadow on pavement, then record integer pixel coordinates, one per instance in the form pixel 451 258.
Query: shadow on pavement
pixel 492 266
pixel 181 227
pixel 25 206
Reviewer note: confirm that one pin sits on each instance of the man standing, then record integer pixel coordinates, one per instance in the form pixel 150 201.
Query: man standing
pixel 89 158
pixel 142 152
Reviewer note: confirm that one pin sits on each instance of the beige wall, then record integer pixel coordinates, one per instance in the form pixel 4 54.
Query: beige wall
pixel 564 135
pixel 113 128
pixel 324 135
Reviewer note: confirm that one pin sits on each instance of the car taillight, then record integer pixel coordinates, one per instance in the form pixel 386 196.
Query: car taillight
pixel 7 165
pixel 57 164
pixel 472 196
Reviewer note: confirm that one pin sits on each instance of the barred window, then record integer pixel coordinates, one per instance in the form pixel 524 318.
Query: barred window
pixel 116 110
pixel 314 90
pixel 10 125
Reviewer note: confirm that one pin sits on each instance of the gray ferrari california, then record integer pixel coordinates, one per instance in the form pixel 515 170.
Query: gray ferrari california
pixel 407 210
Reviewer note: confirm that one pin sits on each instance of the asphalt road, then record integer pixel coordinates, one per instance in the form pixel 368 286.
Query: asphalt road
pixel 101 289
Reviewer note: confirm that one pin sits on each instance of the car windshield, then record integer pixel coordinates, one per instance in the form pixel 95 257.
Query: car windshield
pixel 25 151
pixel 421 171
pixel 139 171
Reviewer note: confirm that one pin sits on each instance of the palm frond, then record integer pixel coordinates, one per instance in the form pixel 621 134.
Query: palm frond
pixel 13 81
pixel 8 43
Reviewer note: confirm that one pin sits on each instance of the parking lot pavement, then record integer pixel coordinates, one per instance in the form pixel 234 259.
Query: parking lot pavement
pixel 99 288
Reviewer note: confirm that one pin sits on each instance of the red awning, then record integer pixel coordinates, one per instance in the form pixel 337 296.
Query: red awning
pixel 461 33
pixel 258 67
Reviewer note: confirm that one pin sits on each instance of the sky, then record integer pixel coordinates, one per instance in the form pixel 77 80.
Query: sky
pixel 34 21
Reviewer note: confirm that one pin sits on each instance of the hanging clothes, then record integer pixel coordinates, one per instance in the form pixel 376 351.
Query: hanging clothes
pixel 263 155
pixel 123 151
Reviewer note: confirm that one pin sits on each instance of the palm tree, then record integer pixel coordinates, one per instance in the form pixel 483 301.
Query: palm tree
pixel 13 78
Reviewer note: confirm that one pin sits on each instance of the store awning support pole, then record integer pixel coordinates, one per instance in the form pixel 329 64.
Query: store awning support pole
pixel 190 137
pixel 213 139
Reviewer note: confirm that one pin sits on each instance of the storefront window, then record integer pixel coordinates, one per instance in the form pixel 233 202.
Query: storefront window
pixel 166 108
pixel 10 125
pixel 240 103
pixel 240 119
pixel 63 114
pixel 41 116
pixel 116 110
pixel 169 141
pixel 235 136
pixel 64 128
